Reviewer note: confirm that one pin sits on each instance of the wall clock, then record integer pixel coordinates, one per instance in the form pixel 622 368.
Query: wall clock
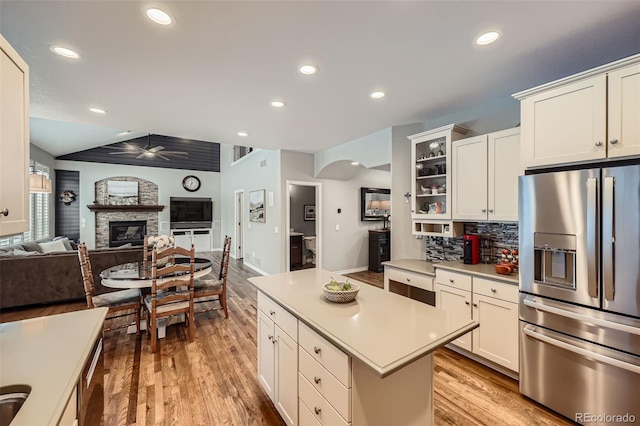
pixel 191 183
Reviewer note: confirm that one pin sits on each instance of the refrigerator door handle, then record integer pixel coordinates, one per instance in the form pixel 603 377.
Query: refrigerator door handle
pixel 592 236
pixel 545 307
pixel 529 331
pixel 608 241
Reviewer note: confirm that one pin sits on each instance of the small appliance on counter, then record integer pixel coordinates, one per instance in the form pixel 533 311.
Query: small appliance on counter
pixel 471 249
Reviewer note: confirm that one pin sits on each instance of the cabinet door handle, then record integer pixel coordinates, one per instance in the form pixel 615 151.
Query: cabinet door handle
pixel 5 212
pixel 274 341
pixel 272 312
pixel 317 379
pixel 270 337
pixel 466 303
pixel 317 410
pixel 451 280
pixel 490 210
pixel 483 210
pixel 316 349
pixel 493 290
pixel 613 141
pixel 599 143
pixel 475 305
pixel 408 280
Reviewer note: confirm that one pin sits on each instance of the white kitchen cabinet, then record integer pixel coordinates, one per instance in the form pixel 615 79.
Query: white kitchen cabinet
pixel 493 304
pixel 459 303
pixel 497 337
pixel 624 112
pixel 485 177
pixel 201 238
pixel 14 141
pixel 590 116
pixel 431 179
pixel 70 414
pixel 278 357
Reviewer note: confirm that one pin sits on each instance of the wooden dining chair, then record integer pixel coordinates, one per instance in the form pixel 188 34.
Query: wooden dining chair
pixel 165 298
pixel 117 301
pixel 215 290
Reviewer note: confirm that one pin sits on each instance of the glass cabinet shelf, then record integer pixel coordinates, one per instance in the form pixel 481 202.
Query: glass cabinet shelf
pixel 431 177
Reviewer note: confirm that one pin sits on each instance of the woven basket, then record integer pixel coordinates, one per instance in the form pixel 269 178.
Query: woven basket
pixel 341 296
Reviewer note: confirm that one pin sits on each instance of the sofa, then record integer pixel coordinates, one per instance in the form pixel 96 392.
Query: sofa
pixel 39 278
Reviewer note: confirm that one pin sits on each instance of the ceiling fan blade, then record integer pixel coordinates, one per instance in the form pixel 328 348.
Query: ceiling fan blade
pixel 156 149
pixel 141 155
pixel 122 152
pixel 162 156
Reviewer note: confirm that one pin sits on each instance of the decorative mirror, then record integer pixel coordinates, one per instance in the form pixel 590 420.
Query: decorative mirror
pixel 375 203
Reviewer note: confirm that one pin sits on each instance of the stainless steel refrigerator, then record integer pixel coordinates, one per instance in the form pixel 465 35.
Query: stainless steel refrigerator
pixel 580 292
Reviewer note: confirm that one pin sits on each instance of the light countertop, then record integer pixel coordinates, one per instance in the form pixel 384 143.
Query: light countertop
pixel 413 265
pixel 429 268
pixel 48 354
pixel 384 330
pixel 480 269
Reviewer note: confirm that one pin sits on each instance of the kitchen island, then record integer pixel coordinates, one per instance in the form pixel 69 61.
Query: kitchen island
pixel 48 355
pixel 365 362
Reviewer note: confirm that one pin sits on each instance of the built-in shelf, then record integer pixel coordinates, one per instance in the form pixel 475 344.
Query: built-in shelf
pixel 428 159
pixel 135 208
pixel 431 176
pixel 432 195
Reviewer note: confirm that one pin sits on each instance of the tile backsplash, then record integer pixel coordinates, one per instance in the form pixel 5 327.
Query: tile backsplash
pixel 499 236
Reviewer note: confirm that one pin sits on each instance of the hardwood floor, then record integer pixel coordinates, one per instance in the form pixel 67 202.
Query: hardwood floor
pixel 369 277
pixel 212 381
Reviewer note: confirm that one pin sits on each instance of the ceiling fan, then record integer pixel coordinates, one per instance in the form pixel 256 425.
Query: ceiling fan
pixel 147 151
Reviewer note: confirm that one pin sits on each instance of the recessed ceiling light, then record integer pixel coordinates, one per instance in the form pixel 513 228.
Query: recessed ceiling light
pixel 355 163
pixel 126 132
pixel 98 110
pixel 377 95
pixel 308 69
pixel 64 51
pixel 487 38
pixel 159 16
pixel 278 104
pixel 243 134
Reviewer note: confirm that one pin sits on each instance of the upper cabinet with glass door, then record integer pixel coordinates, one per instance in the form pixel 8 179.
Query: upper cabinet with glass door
pixel 431 172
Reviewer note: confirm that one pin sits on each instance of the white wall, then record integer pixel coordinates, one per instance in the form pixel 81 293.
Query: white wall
pixel 258 170
pixel 169 183
pixel 371 151
pixel 404 245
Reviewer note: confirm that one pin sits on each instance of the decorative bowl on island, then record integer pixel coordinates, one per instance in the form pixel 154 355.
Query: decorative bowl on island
pixel 335 291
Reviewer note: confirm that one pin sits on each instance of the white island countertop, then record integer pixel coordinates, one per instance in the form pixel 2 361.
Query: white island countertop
pixel 384 330
pixel 47 354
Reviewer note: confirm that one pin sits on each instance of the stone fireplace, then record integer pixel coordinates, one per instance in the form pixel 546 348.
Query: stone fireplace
pixel 127 232
pixel 147 196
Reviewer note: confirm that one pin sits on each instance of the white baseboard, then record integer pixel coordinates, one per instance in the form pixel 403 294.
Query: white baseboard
pixel 255 268
pixel 351 271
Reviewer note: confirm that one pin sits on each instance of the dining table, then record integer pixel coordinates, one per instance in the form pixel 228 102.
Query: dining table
pixel 138 275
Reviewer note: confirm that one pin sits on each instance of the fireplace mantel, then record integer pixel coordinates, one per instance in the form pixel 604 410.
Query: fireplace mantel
pixel 134 208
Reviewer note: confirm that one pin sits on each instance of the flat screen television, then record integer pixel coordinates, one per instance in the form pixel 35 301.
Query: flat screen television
pixel 187 212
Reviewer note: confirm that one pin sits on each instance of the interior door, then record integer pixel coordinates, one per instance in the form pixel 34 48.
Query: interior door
pixel 621 239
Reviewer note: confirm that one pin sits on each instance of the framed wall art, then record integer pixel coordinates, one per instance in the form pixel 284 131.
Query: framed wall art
pixel 309 212
pixel 256 206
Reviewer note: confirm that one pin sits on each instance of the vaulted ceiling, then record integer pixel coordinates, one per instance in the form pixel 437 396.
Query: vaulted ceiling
pixel 214 72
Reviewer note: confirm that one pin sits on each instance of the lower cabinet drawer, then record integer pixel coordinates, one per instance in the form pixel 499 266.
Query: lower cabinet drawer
pixel 499 290
pixel 413 279
pixel 324 382
pixel 305 416
pixel 330 357
pixel 287 322
pixel 453 279
pixel 320 409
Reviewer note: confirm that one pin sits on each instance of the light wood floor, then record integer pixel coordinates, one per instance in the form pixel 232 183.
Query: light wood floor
pixel 212 381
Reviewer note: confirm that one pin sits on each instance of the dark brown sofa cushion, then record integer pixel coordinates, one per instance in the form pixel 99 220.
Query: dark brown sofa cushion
pixel 55 277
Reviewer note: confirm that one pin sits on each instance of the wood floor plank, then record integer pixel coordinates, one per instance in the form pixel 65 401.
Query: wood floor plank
pixel 213 380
